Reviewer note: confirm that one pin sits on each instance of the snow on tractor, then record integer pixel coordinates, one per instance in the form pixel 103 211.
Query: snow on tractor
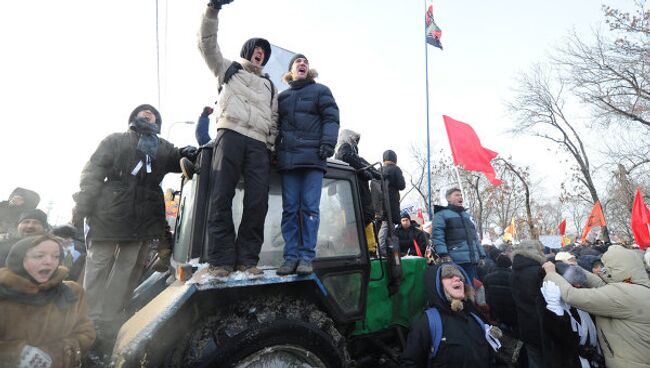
pixel 353 311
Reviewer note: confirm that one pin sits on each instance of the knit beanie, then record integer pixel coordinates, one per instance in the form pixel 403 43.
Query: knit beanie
pixel 250 45
pixel 503 261
pixel 390 155
pixel 142 107
pixel 16 255
pixel 34 215
pixel 294 58
pixel 404 214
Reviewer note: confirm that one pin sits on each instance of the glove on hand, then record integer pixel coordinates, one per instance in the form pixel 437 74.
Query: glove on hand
pixel 325 151
pixel 190 152
pixel 216 4
pixel 551 293
pixel 446 259
pixel 375 174
pixel 207 111
pixel 33 357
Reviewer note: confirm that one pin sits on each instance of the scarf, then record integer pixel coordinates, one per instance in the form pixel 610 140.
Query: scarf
pixel 147 144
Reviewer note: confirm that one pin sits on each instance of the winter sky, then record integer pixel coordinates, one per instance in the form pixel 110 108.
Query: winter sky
pixel 73 70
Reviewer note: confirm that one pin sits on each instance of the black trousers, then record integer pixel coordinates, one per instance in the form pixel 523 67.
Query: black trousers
pixel 236 155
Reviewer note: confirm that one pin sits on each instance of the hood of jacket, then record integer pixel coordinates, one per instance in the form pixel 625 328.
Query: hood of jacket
pixel 527 258
pixel 350 137
pixel 435 292
pixel 623 265
pixel 30 197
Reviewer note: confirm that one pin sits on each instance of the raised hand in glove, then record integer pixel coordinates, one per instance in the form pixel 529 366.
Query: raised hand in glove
pixel 33 357
pixel 190 152
pixel 325 151
pixel 207 111
pixel 216 4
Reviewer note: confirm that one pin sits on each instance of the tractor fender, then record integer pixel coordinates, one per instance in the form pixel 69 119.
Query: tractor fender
pixel 131 345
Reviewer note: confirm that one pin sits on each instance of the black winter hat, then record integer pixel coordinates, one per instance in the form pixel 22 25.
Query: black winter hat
pixel 146 107
pixel 34 215
pixel 390 155
pixel 294 58
pixel 249 46
pixel 503 261
pixel 65 231
pixel 17 253
pixel 404 214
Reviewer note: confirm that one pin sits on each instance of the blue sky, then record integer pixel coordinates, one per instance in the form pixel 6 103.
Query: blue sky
pixel 73 70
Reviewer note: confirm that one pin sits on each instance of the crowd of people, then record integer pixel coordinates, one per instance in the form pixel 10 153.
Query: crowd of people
pixel 515 305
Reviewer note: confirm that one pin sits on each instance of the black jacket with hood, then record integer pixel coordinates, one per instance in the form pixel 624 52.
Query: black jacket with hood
pixel 120 206
pixel 463 341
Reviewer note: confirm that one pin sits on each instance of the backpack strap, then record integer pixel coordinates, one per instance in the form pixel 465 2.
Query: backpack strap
pixel 435 328
pixel 232 70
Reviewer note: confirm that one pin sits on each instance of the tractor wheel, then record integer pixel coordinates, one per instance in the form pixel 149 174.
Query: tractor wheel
pixel 276 332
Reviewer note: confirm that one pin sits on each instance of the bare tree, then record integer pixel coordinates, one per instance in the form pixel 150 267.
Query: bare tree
pixel 611 73
pixel 522 176
pixel 539 109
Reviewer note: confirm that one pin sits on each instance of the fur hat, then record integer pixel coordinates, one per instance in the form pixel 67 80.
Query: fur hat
pixel 146 107
pixel 16 255
pixel 250 45
pixel 575 275
pixel 449 271
pixel 565 257
pixel 34 215
pixel 390 155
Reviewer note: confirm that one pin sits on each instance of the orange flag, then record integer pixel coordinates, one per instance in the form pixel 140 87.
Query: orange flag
pixel 596 218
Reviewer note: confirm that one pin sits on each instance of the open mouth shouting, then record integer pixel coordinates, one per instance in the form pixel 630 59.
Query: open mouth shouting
pixel 258 56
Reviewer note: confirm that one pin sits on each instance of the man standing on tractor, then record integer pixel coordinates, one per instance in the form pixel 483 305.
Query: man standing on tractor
pixel 454 234
pixel 246 116
pixel 309 127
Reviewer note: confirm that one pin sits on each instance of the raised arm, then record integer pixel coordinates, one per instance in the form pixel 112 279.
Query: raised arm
pixel 208 44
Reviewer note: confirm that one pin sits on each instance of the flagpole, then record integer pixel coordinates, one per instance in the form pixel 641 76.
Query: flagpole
pixel 426 68
pixel 460 184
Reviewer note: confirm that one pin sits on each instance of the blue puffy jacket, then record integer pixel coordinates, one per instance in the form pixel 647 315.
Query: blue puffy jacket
pixel 454 234
pixel 308 117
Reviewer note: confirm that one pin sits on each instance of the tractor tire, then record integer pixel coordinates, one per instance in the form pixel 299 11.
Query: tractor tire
pixel 279 331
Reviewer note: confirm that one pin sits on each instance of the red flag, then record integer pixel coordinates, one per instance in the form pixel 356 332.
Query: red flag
pixel 596 218
pixel 420 215
pixel 640 220
pixel 467 150
pixel 562 227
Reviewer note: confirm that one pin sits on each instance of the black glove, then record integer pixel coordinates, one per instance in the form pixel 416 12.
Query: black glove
pixel 325 151
pixel 207 111
pixel 216 4
pixel 375 174
pixel 366 174
pixel 190 152
pixel 77 219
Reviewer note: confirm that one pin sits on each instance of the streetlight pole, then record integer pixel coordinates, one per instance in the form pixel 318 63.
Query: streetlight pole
pixel 169 130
